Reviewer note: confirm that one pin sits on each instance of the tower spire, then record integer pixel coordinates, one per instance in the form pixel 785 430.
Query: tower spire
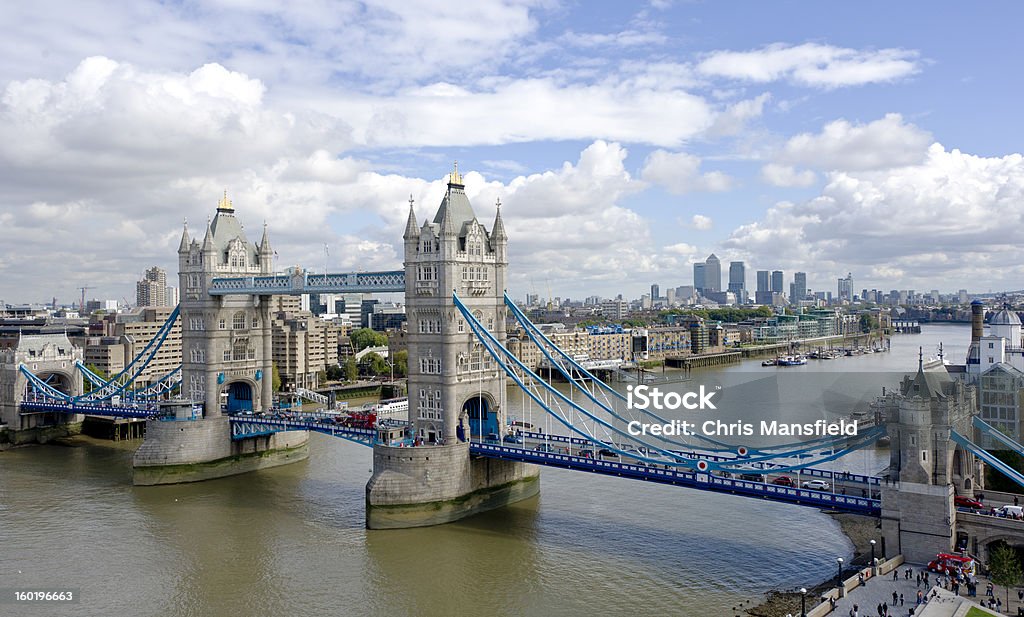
pixel 411 230
pixel 498 231
pixel 225 205
pixel 183 246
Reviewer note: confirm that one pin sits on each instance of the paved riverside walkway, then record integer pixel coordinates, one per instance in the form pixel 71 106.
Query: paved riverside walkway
pixel 878 589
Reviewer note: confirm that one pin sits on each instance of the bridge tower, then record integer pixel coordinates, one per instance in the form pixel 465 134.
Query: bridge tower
pixel 226 340
pixel 227 361
pixel 927 469
pixel 456 390
pixel 51 357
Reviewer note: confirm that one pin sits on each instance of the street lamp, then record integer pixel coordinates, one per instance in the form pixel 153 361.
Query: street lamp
pixel 839 572
pixel 872 553
pixel 803 602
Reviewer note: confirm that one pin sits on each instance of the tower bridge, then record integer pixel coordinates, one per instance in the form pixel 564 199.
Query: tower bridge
pixel 454 455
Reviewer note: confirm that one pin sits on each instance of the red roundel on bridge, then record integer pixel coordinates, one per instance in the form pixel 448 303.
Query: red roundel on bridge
pixel 742 451
pixel 702 465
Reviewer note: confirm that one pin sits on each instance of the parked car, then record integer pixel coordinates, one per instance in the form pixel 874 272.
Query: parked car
pixel 784 481
pixel 816 485
pixel 961 501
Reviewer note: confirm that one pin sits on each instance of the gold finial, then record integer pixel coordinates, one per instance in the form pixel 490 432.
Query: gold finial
pixel 455 177
pixel 225 203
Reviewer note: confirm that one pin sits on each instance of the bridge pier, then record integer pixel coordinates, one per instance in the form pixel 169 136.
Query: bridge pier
pixel 177 451
pixel 432 485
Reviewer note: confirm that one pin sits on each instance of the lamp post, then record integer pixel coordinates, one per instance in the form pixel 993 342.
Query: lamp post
pixel 873 555
pixel 803 602
pixel 839 572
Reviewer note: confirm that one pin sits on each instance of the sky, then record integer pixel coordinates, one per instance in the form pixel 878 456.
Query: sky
pixel 624 140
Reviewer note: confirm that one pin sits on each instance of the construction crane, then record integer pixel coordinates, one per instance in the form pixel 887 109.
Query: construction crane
pixel 81 305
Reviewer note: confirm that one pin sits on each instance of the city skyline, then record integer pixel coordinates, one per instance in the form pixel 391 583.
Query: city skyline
pixel 625 143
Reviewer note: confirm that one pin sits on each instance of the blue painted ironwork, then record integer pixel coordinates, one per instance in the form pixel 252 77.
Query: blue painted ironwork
pixel 685 478
pixel 138 410
pixel 391 281
pixel 984 455
pixel 998 435
pixel 243 427
pixel 542 342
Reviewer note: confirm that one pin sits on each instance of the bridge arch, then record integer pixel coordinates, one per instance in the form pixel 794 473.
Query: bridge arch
pixel 481 413
pixel 61 380
pixel 238 394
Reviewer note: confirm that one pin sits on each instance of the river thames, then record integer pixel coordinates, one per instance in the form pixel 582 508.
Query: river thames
pixel 291 540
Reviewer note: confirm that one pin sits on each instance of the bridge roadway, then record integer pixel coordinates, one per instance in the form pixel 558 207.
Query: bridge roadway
pixel 244 426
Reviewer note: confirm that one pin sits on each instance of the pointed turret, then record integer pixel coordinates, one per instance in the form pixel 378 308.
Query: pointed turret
pixel 498 231
pixel 411 230
pixel 208 239
pixel 264 247
pixel 447 226
pixel 185 241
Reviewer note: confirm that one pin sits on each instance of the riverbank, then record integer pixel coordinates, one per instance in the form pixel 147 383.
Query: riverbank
pixel 860 530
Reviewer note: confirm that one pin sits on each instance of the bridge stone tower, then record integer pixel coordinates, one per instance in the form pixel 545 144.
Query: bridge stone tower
pixel 927 469
pixel 456 390
pixel 227 359
pixel 455 387
pixel 51 357
pixel 226 340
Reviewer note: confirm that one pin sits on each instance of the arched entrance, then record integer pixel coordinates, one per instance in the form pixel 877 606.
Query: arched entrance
pixel 483 420
pixel 239 397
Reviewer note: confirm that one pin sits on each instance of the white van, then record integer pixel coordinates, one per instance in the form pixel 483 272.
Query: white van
pixel 1011 511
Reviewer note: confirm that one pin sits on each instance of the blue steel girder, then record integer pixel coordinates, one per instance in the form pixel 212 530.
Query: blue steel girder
pixel 89 409
pixel 685 478
pixel 245 427
pixel 391 281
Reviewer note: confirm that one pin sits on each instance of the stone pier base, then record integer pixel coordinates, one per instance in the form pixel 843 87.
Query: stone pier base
pixel 431 485
pixel 196 450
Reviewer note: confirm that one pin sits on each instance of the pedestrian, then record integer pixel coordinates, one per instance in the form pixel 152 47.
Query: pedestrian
pixel 999 605
pixel 920 597
pixel 1016 501
pixel 878 609
pixel 901 599
pixel 1020 595
pixel 895 575
pixel 894 598
pixel 981 497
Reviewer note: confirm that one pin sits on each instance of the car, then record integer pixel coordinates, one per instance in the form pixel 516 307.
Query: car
pixel 962 501
pixel 608 453
pixel 512 439
pixel 1016 512
pixel 752 477
pixel 545 447
pixel 492 438
pixel 586 453
pixel 816 485
pixel 784 481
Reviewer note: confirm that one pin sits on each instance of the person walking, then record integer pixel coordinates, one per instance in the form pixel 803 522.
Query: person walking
pixel 901 599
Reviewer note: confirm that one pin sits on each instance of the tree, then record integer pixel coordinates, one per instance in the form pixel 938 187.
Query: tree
pixel 375 364
pixel 335 372
pixel 321 377
pixel 401 360
pixel 99 373
pixel 351 369
pixel 867 322
pixel 366 337
pixel 1004 568
pixel 277 379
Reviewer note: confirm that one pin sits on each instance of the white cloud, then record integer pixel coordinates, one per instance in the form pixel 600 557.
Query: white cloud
pixel 624 38
pixel 701 222
pixel 887 142
pixel 811 64
pixel 735 117
pixel 683 249
pixel 953 217
pixel 679 173
pixel 786 175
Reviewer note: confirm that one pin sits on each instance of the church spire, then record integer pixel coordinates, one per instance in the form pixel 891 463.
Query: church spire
pixel 411 230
